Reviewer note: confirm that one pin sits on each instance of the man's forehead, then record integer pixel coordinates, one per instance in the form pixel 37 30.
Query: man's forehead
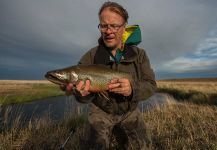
pixel 111 19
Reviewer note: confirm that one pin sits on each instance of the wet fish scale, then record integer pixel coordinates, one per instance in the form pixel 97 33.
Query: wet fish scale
pixel 99 76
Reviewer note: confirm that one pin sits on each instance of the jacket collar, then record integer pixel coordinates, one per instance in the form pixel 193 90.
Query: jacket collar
pixel 103 54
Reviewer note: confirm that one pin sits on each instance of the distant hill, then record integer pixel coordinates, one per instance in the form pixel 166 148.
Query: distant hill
pixel 192 79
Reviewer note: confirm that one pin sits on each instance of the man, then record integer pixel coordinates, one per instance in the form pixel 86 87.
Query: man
pixel 116 50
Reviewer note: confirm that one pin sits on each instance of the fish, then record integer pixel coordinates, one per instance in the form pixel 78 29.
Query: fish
pixel 99 76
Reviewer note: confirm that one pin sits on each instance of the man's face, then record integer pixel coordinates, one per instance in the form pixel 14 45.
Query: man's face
pixel 112 28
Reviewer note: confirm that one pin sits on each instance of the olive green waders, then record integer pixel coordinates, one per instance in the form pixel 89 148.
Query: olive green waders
pixel 129 130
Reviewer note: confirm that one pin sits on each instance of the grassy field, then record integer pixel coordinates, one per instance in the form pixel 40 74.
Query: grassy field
pixel 198 91
pixel 19 91
pixel 189 124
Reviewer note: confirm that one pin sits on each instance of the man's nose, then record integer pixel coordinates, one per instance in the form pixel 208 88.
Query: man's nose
pixel 108 31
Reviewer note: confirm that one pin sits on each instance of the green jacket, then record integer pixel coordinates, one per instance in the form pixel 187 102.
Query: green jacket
pixel 134 61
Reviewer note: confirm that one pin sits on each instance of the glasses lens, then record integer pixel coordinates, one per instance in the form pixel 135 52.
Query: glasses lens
pixel 112 27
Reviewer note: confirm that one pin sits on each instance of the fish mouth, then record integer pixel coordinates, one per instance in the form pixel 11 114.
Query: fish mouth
pixel 53 78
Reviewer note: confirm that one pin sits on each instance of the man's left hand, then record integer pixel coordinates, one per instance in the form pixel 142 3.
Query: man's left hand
pixel 121 86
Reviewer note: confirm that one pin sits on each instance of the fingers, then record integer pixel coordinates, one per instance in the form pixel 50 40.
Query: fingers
pixel 83 88
pixel 120 86
pixel 114 85
pixel 69 87
pixel 87 86
pixel 66 87
pixel 80 85
pixel 118 83
pixel 114 81
pixel 126 91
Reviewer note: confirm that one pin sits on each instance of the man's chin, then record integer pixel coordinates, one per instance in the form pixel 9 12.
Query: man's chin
pixel 110 45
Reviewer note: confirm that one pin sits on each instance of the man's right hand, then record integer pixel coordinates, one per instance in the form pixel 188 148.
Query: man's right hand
pixel 82 88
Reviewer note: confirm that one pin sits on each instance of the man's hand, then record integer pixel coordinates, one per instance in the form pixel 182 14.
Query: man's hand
pixel 81 88
pixel 120 86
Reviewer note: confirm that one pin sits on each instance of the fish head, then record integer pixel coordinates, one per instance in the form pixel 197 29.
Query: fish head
pixel 62 77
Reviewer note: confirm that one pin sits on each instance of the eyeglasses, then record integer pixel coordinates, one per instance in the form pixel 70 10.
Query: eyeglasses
pixel 112 27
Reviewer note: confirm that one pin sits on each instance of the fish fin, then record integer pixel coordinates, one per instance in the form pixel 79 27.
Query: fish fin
pixel 104 95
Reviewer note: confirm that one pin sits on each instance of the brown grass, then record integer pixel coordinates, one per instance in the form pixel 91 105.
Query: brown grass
pixel 174 126
pixel 196 91
pixel 183 125
pixel 19 85
pixel 192 80
pixel 206 87
pixel 19 91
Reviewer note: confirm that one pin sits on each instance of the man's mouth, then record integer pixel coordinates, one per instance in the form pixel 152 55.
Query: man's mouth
pixel 109 38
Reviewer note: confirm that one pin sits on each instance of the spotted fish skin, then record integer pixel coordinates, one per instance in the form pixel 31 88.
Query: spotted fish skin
pixel 99 76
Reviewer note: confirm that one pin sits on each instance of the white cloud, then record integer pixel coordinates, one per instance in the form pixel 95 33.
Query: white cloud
pixel 208 48
pixel 183 64
pixel 204 58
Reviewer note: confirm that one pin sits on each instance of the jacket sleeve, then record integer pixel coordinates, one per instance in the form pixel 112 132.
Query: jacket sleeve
pixel 145 86
pixel 86 59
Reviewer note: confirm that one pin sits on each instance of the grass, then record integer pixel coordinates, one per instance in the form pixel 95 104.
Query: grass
pixel 40 134
pixel 174 126
pixel 20 91
pixel 189 124
pixel 183 126
pixel 195 91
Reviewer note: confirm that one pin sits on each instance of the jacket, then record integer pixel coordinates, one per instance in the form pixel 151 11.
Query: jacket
pixel 134 61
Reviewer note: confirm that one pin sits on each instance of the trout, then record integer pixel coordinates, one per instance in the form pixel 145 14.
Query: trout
pixel 99 76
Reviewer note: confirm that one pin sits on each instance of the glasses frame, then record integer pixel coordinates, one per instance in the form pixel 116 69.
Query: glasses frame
pixel 112 27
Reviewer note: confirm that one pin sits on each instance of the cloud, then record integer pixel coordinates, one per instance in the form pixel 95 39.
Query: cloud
pixel 203 59
pixel 208 48
pixel 57 33
pixel 184 64
pixel 176 28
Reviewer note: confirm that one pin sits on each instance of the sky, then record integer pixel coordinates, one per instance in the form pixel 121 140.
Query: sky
pixel 179 36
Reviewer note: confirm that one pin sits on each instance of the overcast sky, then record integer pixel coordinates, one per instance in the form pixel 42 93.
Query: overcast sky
pixel 179 36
